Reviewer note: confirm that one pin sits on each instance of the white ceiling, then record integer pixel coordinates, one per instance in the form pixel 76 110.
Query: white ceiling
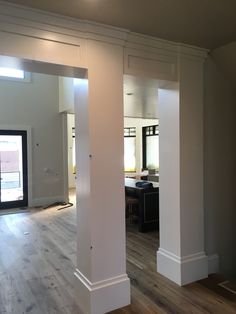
pixel 141 96
pixel 204 23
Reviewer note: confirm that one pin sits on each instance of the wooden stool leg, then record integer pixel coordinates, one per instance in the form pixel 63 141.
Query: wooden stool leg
pixel 131 206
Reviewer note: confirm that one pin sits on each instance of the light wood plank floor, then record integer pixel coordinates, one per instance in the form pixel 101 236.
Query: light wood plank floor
pixel 38 256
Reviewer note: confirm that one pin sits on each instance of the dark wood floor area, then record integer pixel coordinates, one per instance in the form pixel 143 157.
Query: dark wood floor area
pixel 37 260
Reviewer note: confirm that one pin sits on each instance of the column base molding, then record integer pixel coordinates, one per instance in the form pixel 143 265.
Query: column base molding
pixel 102 296
pixel 182 270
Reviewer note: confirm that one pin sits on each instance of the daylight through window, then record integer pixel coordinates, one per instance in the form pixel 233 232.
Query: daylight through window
pixel 129 149
pixel 11 73
pixel 151 147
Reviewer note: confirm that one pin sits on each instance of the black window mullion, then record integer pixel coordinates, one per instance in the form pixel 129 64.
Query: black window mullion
pixel 151 130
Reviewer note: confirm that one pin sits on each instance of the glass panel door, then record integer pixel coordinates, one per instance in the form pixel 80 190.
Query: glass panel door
pixel 13 169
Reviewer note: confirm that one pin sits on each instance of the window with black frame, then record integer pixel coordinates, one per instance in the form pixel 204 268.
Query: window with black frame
pixel 129 149
pixel 151 147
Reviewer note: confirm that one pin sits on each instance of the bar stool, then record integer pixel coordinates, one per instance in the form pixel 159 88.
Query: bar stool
pixel 132 204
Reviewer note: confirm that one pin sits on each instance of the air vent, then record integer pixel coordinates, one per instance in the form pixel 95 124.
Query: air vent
pixel 229 286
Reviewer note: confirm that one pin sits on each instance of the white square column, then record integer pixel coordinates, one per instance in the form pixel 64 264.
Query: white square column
pixel 181 256
pixel 101 281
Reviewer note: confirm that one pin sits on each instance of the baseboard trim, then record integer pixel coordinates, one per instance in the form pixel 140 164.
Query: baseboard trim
pixel 213 264
pixel 103 296
pixel 43 201
pixel 182 270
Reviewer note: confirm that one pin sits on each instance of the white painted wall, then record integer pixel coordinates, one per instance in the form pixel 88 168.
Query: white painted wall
pixel 220 168
pixel 66 94
pixel 139 123
pixel 35 104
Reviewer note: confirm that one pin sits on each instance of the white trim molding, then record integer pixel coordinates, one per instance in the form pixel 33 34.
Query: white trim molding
pixel 182 270
pixel 103 296
pixel 163 47
pixel 59 29
pixel 150 64
pixel 34 22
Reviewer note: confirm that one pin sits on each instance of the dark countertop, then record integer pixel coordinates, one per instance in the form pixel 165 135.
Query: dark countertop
pixel 129 182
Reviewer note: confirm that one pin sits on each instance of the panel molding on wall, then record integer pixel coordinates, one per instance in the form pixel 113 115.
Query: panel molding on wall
pixel 150 65
pixel 63 40
pixel 40 49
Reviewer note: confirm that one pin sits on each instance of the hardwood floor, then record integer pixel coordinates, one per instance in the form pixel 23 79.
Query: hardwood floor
pixel 37 260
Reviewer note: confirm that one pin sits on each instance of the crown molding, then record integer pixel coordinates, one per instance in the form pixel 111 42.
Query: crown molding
pixel 28 21
pixel 162 46
pixel 41 24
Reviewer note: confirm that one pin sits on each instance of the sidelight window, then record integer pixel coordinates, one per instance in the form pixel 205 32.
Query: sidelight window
pixel 151 147
pixel 129 149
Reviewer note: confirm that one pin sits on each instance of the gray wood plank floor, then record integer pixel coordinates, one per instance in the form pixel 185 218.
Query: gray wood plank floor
pixel 38 258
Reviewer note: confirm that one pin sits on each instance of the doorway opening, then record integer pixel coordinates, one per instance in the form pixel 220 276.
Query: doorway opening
pixel 13 169
pixel 34 163
pixel 142 102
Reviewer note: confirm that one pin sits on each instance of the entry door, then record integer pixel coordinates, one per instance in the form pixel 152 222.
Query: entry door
pixel 13 169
